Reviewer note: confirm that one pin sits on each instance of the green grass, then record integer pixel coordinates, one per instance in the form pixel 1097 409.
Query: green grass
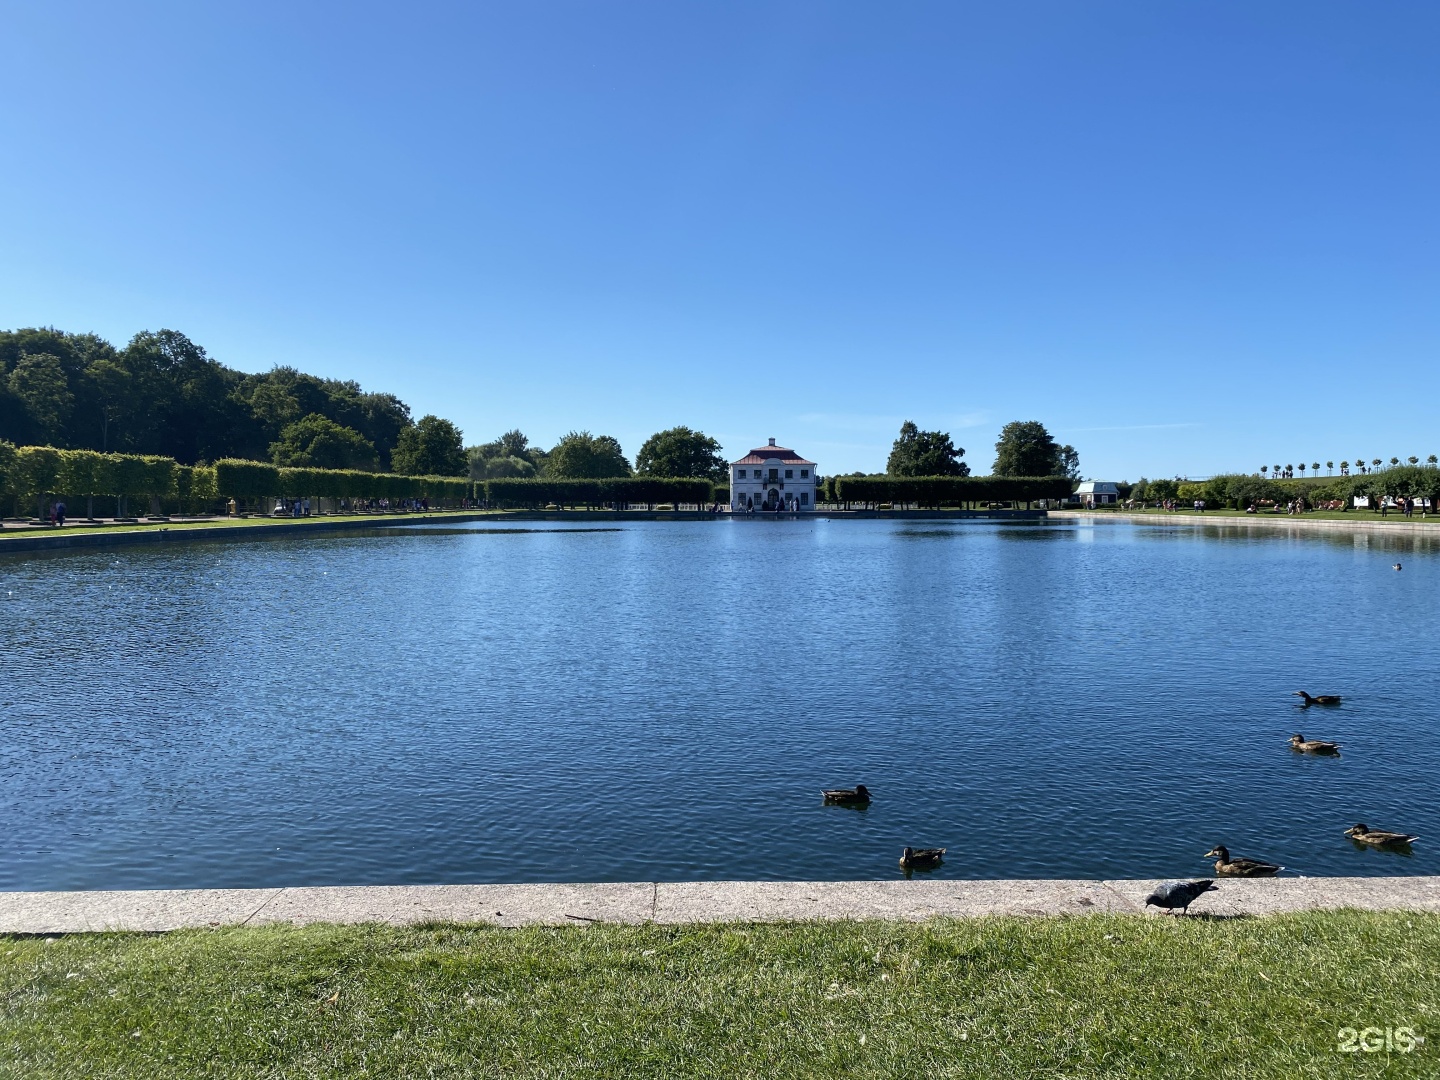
pixel 1093 996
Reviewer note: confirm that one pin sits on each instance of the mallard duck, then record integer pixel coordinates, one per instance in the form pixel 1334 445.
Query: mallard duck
pixel 1363 834
pixel 1179 894
pixel 1323 699
pixel 1313 746
pixel 1225 866
pixel 858 794
pixel 921 858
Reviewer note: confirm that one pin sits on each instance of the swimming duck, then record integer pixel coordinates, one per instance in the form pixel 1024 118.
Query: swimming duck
pixel 1397 566
pixel 921 858
pixel 1179 894
pixel 1313 746
pixel 1225 866
pixel 858 794
pixel 1363 834
pixel 1323 699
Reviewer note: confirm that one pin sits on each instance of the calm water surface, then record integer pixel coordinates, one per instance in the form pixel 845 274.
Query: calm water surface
pixel 665 700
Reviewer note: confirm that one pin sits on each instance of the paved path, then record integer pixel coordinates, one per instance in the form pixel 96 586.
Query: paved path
pixel 678 902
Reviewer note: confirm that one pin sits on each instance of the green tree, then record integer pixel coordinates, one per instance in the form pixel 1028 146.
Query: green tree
pixel 500 468
pixel 38 382
pixel 1413 460
pixel 582 456
pixel 679 451
pixel 925 453
pixel 1432 460
pixel 1025 448
pixel 433 447
pixel 1329 467
pixel 317 442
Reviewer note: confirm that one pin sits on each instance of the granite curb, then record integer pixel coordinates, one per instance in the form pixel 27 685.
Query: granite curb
pixel 679 902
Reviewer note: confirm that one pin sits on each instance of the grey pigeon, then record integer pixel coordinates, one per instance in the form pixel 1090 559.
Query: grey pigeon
pixel 1179 894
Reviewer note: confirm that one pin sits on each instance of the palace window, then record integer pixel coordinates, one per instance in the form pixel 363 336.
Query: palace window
pixel 789 474
pixel 741 474
pixel 805 498
pixel 804 474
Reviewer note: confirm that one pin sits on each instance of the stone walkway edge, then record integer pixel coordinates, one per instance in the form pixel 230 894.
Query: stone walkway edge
pixel 679 902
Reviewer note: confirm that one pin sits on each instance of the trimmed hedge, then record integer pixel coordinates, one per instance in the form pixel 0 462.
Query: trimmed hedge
pixel 41 470
pixel 937 491
pixel 533 494
pixel 237 479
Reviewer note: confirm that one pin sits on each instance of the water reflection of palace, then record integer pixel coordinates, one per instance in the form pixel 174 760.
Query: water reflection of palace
pixel 772 478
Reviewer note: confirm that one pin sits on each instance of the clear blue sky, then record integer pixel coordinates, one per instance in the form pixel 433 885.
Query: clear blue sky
pixel 1188 237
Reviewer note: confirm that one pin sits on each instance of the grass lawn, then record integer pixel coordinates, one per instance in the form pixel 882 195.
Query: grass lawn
pixel 1092 996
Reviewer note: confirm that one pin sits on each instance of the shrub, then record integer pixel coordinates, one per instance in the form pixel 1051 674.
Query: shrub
pixel 241 480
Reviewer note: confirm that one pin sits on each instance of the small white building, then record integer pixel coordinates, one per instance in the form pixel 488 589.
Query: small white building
pixel 1093 493
pixel 772 478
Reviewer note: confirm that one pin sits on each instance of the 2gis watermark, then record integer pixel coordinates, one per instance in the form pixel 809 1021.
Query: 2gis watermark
pixel 1372 1040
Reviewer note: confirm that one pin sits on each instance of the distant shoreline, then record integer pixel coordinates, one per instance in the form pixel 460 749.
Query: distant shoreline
pixel 1358 520
pixel 255 528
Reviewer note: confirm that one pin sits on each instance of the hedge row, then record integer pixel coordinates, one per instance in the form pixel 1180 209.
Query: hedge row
pixel 37 470
pixel 243 480
pixel 40 470
pixel 618 491
pixel 939 491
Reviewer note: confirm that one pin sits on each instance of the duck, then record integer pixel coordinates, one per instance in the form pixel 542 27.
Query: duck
pixel 921 858
pixel 1363 834
pixel 1225 866
pixel 1323 699
pixel 1313 746
pixel 858 794
pixel 1179 894
pixel 1397 566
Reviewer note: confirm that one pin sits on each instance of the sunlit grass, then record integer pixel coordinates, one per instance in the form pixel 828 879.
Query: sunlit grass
pixel 1097 996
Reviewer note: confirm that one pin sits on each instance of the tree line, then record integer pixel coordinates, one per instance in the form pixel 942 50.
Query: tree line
pixel 162 395
pixel 1242 490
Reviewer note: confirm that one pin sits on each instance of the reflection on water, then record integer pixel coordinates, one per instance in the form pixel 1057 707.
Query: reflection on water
pixel 666 699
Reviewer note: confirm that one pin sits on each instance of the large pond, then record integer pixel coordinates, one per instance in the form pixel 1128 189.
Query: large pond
pixel 665 701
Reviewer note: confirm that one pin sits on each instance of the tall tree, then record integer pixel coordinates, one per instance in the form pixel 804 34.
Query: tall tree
pixel 679 451
pixel 1025 448
pixel 433 447
pixel 925 453
pixel 39 384
pixel 317 442
pixel 582 456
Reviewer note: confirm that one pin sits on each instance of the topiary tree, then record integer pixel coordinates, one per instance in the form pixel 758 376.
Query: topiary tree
pixel 85 473
pixel 37 473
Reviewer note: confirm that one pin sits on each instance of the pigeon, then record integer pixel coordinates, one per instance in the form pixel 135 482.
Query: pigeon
pixel 1179 894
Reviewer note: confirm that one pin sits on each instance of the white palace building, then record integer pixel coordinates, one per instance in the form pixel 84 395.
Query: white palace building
pixel 772 478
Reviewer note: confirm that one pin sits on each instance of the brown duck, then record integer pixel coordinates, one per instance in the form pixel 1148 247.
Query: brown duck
pixel 1225 866
pixel 1363 834
pixel 922 858
pixel 1323 699
pixel 1313 746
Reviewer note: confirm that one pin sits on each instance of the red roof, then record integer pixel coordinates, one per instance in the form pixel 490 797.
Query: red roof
pixel 761 454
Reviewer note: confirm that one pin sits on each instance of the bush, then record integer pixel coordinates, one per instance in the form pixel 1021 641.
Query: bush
pixel 242 480
pixel 937 491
